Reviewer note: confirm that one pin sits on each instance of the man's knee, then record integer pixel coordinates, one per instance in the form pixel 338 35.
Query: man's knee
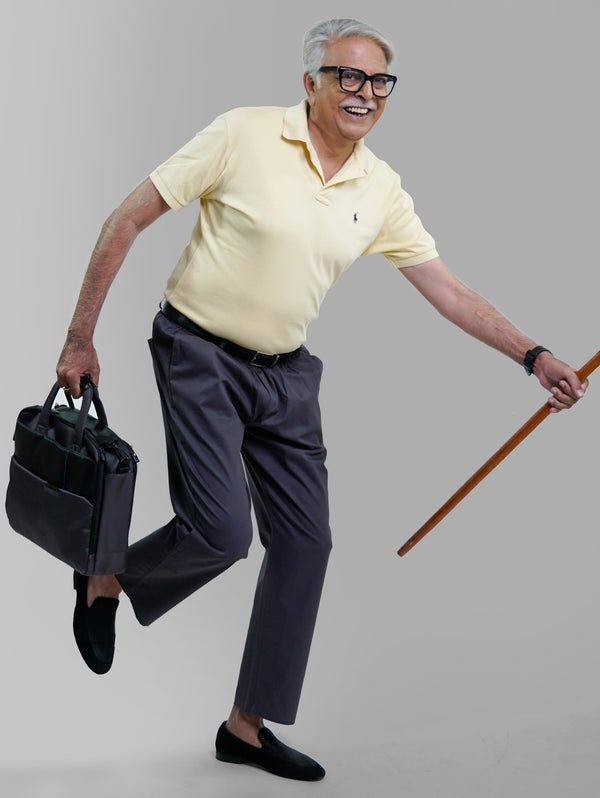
pixel 226 537
pixel 315 544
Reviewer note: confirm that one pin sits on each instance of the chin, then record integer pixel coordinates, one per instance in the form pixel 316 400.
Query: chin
pixel 355 133
pixel 356 129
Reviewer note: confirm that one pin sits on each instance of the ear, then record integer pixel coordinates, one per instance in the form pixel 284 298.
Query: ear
pixel 310 86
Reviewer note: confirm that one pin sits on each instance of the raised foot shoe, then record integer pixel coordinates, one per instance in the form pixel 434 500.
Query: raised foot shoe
pixel 274 756
pixel 94 627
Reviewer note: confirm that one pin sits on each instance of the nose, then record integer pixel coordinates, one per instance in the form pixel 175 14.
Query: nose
pixel 366 91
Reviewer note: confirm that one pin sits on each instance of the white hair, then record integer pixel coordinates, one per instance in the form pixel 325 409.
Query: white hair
pixel 324 33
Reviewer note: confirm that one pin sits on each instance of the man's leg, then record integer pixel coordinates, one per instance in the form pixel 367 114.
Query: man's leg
pixel 204 407
pixel 285 462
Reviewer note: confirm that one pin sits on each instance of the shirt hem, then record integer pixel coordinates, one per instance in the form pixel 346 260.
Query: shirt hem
pixel 163 190
pixel 415 260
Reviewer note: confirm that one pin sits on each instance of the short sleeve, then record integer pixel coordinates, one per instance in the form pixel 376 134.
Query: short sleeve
pixel 402 238
pixel 195 169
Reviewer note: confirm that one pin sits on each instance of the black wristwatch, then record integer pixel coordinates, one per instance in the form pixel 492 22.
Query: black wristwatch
pixel 530 357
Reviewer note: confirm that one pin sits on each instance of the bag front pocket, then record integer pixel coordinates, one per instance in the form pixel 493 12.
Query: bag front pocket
pixel 58 521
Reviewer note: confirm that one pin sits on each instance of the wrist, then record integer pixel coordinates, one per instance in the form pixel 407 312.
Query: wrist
pixel 532 355
pixel 75 335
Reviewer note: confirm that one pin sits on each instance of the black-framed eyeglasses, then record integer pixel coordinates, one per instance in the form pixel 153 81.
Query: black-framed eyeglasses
pixel 352 80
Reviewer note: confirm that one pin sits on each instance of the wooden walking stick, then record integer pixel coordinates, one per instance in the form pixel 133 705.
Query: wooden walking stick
pixel 489 466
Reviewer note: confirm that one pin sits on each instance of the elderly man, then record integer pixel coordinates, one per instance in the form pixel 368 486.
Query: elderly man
pixel 289 198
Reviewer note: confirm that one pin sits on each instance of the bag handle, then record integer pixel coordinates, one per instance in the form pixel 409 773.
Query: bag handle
pixel 90 396
pixel 44 419
pixel 89 393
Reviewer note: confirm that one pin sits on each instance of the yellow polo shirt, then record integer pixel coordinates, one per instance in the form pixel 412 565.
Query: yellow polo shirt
pixel 272 236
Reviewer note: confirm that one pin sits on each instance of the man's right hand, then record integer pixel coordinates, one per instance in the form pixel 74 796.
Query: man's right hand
pixel 78 359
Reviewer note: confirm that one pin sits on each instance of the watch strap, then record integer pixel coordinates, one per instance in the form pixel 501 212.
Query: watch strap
pixel 531 356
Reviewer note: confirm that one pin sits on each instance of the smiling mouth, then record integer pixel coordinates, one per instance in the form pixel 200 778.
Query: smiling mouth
pixel 357 111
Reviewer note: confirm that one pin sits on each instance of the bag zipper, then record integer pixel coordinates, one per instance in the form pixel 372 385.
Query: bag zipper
pixel 124 454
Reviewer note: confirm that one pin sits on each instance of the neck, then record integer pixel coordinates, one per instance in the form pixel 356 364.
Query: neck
pixel 332 155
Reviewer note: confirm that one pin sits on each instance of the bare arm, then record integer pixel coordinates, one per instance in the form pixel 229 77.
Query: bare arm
pixel 473 314
pixel 78 357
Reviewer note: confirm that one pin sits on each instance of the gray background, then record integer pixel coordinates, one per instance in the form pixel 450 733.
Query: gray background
pixel 467 668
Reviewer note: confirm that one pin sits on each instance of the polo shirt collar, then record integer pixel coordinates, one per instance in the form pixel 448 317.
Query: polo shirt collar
pixel 295 128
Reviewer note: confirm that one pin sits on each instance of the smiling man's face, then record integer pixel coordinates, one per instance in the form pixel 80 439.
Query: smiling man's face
pixel 342 117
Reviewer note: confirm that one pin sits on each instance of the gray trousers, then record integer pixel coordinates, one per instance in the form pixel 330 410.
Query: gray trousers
pixel 234 432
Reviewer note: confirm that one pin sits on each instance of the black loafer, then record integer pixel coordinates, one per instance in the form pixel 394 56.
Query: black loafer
pixel 274 756
pixel 94 627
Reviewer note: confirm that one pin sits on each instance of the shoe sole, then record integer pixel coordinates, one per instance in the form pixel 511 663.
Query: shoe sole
pixel 234 760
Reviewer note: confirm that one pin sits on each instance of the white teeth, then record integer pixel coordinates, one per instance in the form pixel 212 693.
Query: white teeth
pixel 357 110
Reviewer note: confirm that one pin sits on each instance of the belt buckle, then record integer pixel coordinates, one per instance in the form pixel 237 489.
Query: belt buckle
pixel 263 365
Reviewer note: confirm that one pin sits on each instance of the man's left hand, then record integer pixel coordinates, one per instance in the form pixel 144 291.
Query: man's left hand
pixel 560 379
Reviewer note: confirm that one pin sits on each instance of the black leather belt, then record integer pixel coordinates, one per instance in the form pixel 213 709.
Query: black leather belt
pixel 260 359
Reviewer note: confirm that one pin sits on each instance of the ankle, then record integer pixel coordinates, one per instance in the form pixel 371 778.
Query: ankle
pixel 102 586
pixel 245 726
